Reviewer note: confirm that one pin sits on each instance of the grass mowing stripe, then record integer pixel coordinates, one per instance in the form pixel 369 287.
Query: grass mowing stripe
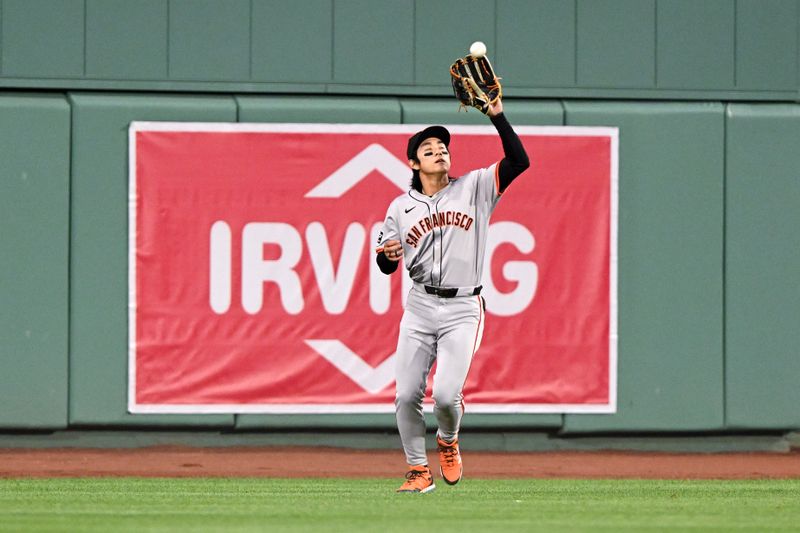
pixel 202 504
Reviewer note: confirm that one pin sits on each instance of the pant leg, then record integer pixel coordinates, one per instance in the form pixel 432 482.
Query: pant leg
pixel 416 347
pixel 459 339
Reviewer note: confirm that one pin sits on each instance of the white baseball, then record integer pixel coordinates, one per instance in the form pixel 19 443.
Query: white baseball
pixel 478 49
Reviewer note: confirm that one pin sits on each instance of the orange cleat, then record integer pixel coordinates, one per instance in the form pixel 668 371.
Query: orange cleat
pixel 418 479
pixel 449 461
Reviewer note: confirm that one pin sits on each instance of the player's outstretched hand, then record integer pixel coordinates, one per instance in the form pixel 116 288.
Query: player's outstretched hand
pixel 496 108
pixel 393 250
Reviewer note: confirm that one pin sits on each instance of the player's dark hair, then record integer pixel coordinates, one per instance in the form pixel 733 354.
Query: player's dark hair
pixel 416 182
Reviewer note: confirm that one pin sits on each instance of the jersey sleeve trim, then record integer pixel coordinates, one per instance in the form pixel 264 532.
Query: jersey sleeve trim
pixel 497 178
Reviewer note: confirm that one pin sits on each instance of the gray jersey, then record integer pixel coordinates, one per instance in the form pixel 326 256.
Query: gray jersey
pixel 444 235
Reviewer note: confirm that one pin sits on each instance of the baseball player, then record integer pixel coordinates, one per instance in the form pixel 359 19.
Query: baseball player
pixel 440 227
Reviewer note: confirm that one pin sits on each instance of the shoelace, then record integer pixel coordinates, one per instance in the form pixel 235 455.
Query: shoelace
pixel 411 475
pixel 449 454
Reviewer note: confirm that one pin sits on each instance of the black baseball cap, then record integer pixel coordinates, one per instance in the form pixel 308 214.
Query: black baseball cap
pixel 440 132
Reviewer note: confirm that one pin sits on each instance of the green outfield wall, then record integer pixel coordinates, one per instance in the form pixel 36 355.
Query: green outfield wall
pixel 642 49
pixel 704 93
pixel 708 256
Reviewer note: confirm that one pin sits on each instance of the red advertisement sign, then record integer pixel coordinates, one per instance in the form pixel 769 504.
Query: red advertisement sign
pixel 254 288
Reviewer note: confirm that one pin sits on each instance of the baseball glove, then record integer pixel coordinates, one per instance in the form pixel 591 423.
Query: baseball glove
pixel 475 83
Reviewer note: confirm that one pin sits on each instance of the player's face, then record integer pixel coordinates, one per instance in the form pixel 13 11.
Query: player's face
pixel 433 157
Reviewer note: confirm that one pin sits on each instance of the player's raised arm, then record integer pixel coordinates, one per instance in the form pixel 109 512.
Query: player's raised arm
pixel 516 159
pixel 475 84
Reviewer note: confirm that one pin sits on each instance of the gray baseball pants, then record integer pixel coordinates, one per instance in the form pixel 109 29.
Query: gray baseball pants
pixel 447 331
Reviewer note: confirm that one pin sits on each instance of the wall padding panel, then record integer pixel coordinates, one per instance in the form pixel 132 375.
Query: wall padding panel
pixel 42 38
pixel 615 43
pixel 126 40
pixel 34 256
pixel 670 265
pixel 373 42
pixel 762 267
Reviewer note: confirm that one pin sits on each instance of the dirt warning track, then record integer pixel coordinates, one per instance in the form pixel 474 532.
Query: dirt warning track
pixel 184 461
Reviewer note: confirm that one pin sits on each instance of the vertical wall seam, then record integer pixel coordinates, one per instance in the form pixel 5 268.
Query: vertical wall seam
pixel 655 44
pixel 169 30
pixel 70 180
pixel 84 37
pixel 725 107
pixel 2 48
pixel 399 99
pixel 576 40
pixel 735 32
pixel 414 42
pixel 494 29
pixel 333 40
pixel 250 44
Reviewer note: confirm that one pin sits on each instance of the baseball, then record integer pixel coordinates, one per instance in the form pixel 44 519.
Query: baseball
pixel 478 49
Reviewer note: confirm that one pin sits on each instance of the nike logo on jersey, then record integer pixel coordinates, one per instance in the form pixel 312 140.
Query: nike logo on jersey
pixel 410 208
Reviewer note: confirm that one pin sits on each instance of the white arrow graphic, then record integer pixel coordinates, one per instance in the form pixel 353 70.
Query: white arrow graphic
pixel 373 157
pixel 372 380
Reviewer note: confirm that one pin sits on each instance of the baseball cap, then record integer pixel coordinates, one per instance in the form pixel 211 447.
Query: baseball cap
pixel 440 132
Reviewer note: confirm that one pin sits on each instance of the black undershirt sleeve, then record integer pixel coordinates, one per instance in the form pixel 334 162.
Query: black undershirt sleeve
pixel 385 264
pixel 516 160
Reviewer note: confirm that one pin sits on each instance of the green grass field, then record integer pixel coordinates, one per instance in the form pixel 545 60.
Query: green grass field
pixel 137 504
